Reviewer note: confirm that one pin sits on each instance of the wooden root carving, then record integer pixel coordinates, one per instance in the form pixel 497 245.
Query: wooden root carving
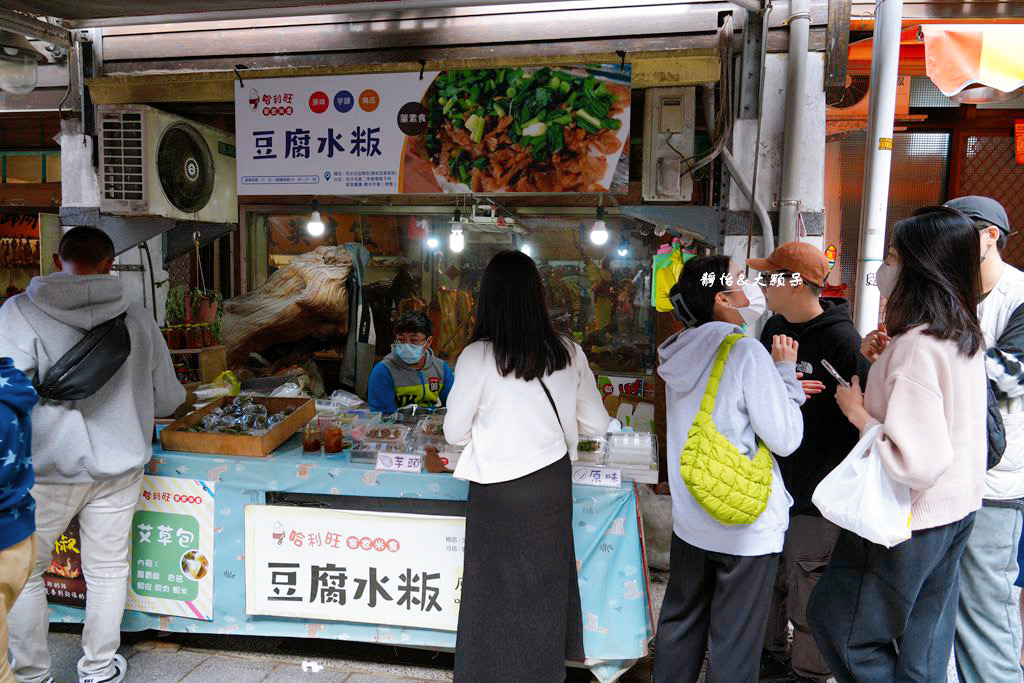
pixel 308 298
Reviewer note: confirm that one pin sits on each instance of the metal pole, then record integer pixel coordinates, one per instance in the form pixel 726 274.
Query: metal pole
pixel 796 108
pixel 885 62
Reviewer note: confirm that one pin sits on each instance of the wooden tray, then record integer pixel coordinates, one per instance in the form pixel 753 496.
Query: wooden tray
pixel 174 438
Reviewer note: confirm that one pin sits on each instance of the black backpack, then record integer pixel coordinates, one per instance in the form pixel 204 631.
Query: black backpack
pixel 996 429
pixel 89 364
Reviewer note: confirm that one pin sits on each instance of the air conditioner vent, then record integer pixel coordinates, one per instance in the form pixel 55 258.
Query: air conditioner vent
pixel 123 172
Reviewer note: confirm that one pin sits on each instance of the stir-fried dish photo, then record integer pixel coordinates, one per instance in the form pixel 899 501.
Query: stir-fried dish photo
pixel 525 130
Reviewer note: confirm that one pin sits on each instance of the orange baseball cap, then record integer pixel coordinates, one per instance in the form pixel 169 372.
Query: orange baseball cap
pixel 796 257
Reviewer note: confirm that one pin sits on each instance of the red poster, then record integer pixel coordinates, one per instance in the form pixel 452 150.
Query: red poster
pixel 63 578
pixel 1018 140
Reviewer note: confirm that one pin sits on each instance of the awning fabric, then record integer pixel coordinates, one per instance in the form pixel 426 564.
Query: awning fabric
pixel 960 56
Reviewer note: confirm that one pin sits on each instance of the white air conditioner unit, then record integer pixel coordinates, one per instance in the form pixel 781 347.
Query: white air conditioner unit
pixel 668 144
pixel 156 164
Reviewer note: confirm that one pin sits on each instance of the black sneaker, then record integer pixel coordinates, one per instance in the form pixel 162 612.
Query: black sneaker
pixel 772 667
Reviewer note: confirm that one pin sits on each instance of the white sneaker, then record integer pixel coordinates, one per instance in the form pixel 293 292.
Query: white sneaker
pixel 116 676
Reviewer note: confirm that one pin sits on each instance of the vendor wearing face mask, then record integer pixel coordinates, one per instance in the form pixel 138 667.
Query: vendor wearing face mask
pixel 411 373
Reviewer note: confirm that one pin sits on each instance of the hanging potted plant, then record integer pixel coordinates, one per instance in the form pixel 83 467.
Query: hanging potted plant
pixel 205 305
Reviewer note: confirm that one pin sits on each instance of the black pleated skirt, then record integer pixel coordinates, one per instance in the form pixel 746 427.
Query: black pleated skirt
pixel 520 617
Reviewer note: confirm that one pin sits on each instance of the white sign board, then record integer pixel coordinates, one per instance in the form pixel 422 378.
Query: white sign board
pixel 399 462
pixel 596 476
pixel 365 567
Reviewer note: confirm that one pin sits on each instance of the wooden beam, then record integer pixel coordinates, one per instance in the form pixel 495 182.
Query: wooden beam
pixel 838 42
pixel 17 197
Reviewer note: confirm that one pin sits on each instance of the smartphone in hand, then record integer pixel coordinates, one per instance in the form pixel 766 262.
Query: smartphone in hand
pixel 832 371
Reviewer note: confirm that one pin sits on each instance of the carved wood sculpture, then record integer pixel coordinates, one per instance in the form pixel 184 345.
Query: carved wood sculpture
pixel 308 298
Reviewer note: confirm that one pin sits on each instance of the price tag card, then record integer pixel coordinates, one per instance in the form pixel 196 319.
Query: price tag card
pixel 597 476
pixel 399 462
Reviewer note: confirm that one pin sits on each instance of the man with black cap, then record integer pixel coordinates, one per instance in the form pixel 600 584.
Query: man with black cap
pixel 988 645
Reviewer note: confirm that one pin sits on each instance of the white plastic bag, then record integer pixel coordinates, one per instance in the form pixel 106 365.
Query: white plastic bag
pixel 859 496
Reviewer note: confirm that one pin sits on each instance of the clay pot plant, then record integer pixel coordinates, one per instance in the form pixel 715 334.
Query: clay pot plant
pixel 205 305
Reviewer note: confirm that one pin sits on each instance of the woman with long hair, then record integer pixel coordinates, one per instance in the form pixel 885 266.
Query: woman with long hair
pixel 730 406
pixel 522 396
pixel 887 614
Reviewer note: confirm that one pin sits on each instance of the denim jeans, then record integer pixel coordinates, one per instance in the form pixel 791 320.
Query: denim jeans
pixel 987 642
pixel 889 614
pixel 105 510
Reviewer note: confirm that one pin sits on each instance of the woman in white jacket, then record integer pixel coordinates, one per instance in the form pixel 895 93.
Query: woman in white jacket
pixel 522 395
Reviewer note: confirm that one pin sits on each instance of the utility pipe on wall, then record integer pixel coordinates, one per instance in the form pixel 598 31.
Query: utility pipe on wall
pixel 740 178
pixel 796 108
pixel 877 159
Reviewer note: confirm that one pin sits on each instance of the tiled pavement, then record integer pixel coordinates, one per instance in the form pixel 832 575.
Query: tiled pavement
pixel 186 658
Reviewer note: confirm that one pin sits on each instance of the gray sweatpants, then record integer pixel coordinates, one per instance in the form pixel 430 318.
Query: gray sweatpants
pixel 987 644
pixel 714 603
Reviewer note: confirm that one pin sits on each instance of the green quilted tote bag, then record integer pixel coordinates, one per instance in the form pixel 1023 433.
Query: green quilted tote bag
pixel 731 487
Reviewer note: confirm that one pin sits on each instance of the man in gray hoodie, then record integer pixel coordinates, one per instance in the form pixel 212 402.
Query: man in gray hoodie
pixel 87 455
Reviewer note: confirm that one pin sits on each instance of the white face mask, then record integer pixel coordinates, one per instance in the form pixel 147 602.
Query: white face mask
pixel 753 311
pixel 885 278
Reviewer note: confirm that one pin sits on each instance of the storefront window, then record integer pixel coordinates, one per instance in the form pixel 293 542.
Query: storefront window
pixel 598 295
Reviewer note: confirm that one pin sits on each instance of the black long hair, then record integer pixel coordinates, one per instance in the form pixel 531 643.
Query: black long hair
pixel 512 314
pixel 939 277
pixel 698 293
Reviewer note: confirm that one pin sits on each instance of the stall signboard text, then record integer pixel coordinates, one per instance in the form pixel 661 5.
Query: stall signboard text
pixel 536 129
pixel 172 548
pixel 364 567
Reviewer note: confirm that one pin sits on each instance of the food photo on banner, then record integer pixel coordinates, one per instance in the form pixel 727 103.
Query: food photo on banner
pixel 364 567
pixel 469 130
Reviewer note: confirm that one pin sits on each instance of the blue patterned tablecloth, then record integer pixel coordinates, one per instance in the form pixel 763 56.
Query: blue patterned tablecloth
pixel 612 571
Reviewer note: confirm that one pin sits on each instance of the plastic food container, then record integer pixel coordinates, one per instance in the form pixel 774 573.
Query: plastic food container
pixel 633 448
pixel 392 434
pixel 592 449
pixel 431 426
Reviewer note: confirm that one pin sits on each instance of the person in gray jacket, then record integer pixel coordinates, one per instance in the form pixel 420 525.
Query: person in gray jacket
pixel 88 455
pixel 722 574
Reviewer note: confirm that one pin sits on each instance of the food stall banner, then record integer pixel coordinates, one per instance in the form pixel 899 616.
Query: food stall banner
pixel 63 579
pixel 543 129
pixel 172 548
pixel 364 567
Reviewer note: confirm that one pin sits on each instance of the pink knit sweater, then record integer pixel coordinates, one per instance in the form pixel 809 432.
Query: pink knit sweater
pixel 932 401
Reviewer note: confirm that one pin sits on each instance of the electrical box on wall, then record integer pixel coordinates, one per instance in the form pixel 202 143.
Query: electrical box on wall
pixel 668 144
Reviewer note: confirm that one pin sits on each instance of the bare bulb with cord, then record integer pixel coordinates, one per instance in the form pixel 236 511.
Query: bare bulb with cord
pixel 457 241
pixel 315 226
pixel 599 232
pixel 527 249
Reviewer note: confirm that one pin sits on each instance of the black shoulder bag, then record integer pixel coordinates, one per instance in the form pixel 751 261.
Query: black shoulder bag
pixel 555 408
pixel 89 364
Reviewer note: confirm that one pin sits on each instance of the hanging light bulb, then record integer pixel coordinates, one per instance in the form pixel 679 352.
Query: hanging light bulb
pixel 623 250
pixel 315 226
pixel 457 240
pixel 432 242
pixel 526 249
pixel 599 231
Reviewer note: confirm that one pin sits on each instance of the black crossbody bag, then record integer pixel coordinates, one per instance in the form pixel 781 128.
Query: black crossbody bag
pixel 555 408
pixel 89 364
